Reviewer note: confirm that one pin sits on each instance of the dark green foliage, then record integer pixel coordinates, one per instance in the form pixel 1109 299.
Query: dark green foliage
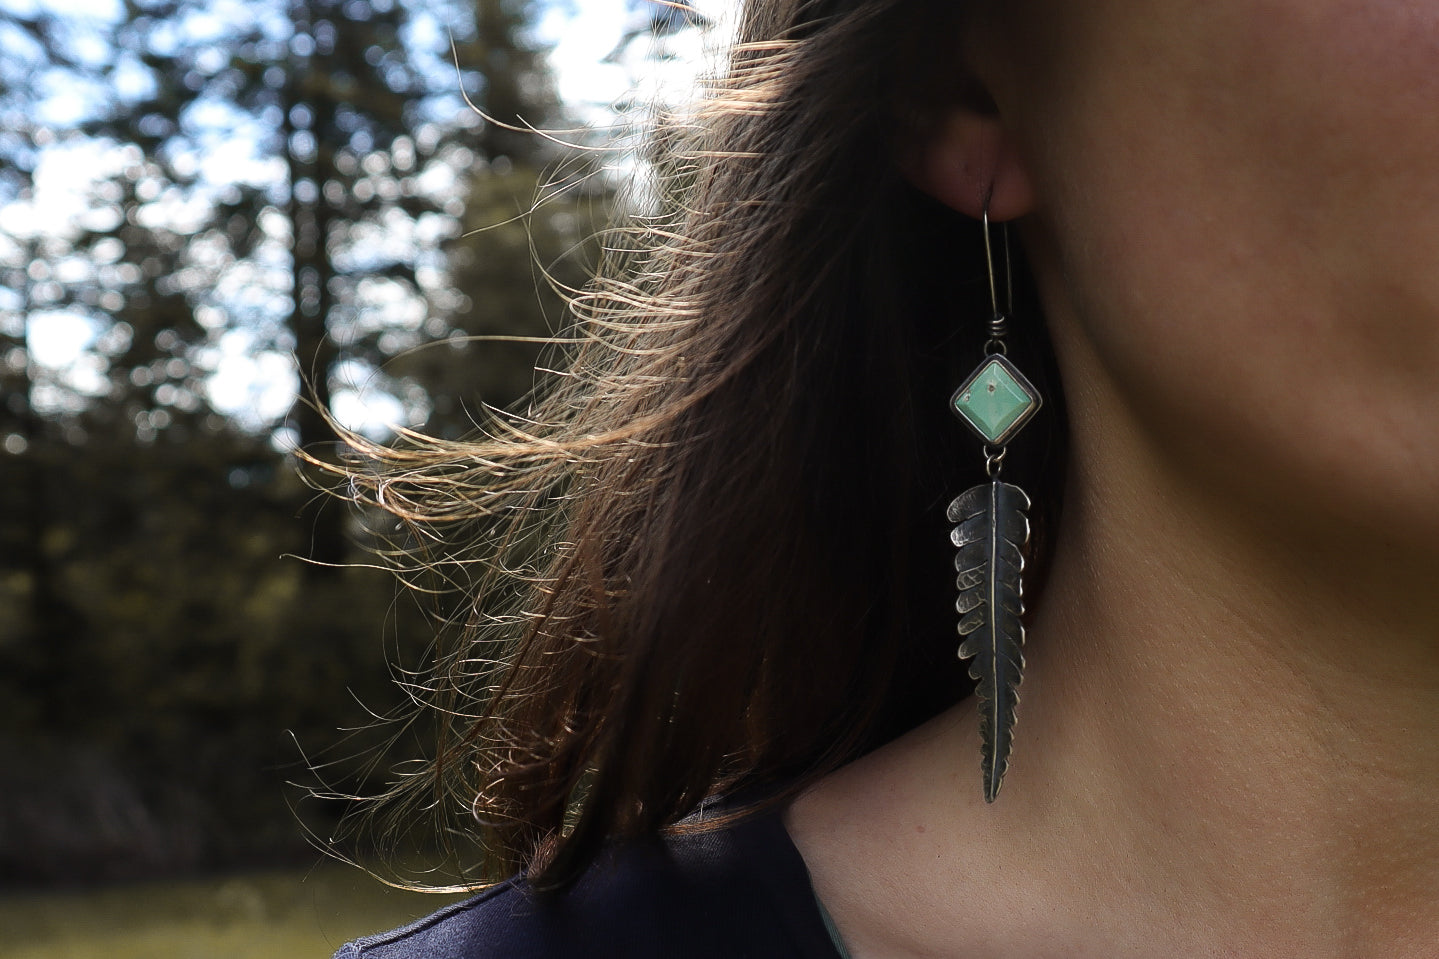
pixel 167 662
pixel 185 654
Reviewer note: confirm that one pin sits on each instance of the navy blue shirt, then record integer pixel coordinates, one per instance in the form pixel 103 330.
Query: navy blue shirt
pixel 738 893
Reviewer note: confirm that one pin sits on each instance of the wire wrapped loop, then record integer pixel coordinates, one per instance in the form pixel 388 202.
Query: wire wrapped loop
pixel 994 460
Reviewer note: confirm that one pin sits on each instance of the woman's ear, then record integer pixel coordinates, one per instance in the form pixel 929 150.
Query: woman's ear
pixel 968 161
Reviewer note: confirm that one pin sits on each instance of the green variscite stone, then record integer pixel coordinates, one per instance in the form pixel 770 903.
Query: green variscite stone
pixel 996 400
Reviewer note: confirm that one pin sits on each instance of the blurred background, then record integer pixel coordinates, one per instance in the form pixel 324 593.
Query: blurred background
pixel 218 218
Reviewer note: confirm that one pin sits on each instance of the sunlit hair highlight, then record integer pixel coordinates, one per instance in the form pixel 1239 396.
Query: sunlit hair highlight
pixel 712 558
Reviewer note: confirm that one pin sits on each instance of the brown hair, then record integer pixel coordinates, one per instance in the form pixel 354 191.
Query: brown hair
pixel 721 538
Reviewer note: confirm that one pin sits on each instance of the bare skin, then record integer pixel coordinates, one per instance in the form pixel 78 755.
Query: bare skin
pixel 1206 765
pixel 1228 741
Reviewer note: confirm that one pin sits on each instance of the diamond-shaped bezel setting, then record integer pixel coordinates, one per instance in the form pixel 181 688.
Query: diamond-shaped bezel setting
pixel 996 401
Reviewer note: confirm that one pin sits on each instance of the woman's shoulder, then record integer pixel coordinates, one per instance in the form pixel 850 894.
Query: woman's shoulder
pixel 738 891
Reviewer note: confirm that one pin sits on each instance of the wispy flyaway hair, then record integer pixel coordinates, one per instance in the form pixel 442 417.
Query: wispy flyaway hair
pixel 714 557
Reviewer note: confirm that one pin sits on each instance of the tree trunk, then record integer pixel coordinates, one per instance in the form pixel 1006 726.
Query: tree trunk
pixel 312 298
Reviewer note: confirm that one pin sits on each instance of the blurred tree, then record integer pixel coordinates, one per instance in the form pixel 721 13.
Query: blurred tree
pixel 189 193
pixel 531 214
pixel 378 194
pixel 346 108
pixel 515 96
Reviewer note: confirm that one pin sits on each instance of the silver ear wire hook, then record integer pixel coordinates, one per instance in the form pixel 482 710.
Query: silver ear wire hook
pixel 999 319
pixel 989 260
pixel 1008 272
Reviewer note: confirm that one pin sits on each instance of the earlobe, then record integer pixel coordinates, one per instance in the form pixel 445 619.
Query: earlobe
pixel 969 161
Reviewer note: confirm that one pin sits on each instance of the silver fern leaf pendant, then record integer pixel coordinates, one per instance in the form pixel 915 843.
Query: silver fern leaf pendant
pixel 991 534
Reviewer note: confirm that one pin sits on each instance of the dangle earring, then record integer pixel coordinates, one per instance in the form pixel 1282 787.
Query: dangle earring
pixel 996 401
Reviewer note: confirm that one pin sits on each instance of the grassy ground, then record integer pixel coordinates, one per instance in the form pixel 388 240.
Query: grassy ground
pixel 274 915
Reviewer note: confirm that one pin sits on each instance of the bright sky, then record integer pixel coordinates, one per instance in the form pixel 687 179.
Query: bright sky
pixel 259 386
pixel 585 32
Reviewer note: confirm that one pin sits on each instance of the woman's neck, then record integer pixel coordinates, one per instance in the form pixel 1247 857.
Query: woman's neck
pixel 1225 747
pixel 1246 715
